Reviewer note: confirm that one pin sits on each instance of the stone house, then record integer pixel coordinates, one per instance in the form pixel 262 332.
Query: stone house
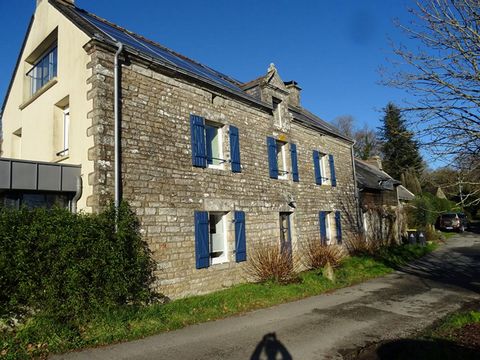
pixel 213 167
pixel 381 200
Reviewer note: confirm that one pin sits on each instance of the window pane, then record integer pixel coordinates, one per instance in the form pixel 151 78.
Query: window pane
pixel 43 71
pixel 217 234
pixel 212 137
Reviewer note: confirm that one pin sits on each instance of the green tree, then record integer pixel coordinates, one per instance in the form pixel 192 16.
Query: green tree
pixel 399 149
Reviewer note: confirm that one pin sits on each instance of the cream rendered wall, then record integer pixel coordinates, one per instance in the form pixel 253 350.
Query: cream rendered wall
pixel 37 118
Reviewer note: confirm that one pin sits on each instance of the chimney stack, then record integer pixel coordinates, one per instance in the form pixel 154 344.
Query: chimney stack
pixel 375 161
pixel 294 93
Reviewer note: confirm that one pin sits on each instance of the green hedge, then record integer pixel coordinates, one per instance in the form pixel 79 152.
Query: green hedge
pixel 426 208
pixel 70 265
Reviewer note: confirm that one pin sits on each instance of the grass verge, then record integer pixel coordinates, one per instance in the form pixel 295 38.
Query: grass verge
pixel 40 335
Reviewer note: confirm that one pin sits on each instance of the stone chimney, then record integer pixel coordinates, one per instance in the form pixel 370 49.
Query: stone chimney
pixel 375 161
pixel 294 93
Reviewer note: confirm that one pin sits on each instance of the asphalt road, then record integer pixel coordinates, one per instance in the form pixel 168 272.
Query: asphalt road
pixel 328 326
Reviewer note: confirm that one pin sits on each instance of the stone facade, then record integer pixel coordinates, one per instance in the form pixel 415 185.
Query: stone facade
pixel 164 188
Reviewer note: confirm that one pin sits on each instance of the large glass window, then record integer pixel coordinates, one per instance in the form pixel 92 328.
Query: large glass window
pixel 44 70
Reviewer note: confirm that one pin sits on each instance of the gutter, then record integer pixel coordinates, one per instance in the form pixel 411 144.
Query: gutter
pixel 117 129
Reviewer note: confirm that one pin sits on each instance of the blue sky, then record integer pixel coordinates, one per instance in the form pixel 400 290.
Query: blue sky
pixel 333 49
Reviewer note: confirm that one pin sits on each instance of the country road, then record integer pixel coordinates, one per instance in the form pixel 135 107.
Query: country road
pixel 327 326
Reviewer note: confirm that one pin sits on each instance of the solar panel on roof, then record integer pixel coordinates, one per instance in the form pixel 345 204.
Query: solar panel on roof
pixel 157 52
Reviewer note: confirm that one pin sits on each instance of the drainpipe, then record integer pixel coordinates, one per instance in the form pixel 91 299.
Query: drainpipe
pixel 357 198
pixel 77 195
pixel 117 129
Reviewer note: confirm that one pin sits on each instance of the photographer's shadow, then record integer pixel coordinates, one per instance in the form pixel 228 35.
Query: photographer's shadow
pixel 270 348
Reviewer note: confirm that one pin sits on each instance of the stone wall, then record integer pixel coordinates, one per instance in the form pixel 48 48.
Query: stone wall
pixel 164 188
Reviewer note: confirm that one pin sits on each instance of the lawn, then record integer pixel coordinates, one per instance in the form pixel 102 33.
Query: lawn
pixel 40 335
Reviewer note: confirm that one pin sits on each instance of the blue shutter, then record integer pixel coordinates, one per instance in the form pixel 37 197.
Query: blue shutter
pixel 197 128
pixel 272 157
pixel 322 218
pixel 202 253
pixel 235 149
pixel 293 156
pixel 316 167
pixel 338 224
pixel 240 239
pixel 333 178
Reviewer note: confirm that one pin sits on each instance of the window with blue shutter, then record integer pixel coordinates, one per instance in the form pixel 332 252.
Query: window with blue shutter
pixel 240 238
pixel 333 178
pixel 272 157
pixel 338 225
pixel 197 128
pixel 235 150
pixel 202 253
pixel 293 156
pixel 317 168
pixel 322 219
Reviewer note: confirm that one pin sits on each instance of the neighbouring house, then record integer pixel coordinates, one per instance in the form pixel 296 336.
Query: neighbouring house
pixel 213 167
pixel 382 202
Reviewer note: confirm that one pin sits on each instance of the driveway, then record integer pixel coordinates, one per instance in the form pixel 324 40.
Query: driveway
pixel 326 326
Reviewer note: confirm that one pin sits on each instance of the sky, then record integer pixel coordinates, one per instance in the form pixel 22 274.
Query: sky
pixel 333 49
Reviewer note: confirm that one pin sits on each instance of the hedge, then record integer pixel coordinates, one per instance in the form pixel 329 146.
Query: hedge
pixel 71 265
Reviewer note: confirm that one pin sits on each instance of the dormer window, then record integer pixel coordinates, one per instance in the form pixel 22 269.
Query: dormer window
pixel 43 70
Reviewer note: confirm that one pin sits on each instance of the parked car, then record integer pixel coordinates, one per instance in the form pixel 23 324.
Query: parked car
pixel 452 221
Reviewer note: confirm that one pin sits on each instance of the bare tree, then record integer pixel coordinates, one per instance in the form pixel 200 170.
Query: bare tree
pixel 367 144
pixel 443 72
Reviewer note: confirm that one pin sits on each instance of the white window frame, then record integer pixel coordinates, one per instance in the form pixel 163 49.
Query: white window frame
pixel 282 172
pixel 224 257
pixel 52 70
pixel 324 168
pixel 221 154
pixel 66 131
pixel 329 227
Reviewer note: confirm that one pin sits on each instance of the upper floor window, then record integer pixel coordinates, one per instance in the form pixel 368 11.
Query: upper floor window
pixel 277 159
pixel 324 168
pixel 208 144
pixel 43 70
pixel 214 145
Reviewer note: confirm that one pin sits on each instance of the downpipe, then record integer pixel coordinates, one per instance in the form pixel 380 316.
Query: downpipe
pixel 117 129
pixel 117 168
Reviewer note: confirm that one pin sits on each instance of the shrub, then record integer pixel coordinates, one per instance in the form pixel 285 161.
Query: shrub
pixel 269 263
pixel 70 265
pixel 357 244
pixel 318 255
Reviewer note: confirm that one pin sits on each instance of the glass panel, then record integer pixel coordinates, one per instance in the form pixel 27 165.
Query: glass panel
pixel 43 71
pixel 217 234
pixel 212 137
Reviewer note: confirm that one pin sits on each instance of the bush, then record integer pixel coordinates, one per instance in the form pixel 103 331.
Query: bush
pixel 318 255
pixel 70 265
pixel 425 209
pixel 269 263
pixel 357 244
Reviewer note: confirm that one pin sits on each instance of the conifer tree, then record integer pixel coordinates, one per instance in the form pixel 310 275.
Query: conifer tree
pixel 399 149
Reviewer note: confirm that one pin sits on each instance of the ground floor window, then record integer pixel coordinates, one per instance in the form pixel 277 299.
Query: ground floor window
pixel 285 232
pixel 330 227
pixel 217 237
pixel 35 199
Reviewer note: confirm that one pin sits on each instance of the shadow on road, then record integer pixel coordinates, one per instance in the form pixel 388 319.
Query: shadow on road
pixel 271 348
pixel 458 267
pixel 420 349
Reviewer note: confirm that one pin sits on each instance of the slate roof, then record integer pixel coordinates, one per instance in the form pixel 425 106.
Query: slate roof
pixel 370 177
